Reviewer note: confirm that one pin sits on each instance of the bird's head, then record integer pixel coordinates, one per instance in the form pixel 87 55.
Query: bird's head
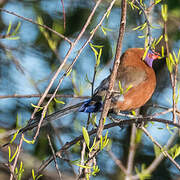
pixel 151 56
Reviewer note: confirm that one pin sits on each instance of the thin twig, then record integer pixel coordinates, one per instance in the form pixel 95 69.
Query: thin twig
pixel 54 157
pixel 33 22
pixel 163 150
pixel 108 126
pixel 158 159
pixel 117 161
pixel 149 35
pixel 16 158
pixel 40 95
pixel 132 149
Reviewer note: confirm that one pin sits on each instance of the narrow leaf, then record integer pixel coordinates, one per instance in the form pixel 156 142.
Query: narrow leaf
pixel 86 136
pixel 14 137
pixel 145 53
pixel 11 159
pixel 160 38
pixel 99 57
pixel 29 142
pixel 58 101
pixel 9 28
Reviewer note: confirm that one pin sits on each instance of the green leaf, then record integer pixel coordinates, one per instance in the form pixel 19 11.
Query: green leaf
pixel 143 174
pixel 133 5
pixel 158 41
pixel 99 57
pixel 87 79
pixel 171 58
pixel 174 151
pixel 87 176
pixel 101 142
pixel 93 119
pixel 157 1
pixel 93 48
pixel 68 73
pixel 108 13
pixel 33 175
pixel 38 107
pixel 14 137
pixel 166 38
pixel 96 46
pixel 145 53
pixel 157 150
pixel 9 28
pixel 39 176
pixel 9 149
pixel 120 88
pixel 27 141
pixel 133 113
pixel 95 170
pixel 86 136
pixel 175 58
pixel 21 170
pixel 169 65
pixel 138 136
pixel 60 102
pixel 179 53
pixel 13 38
pixel 17 29
pixel 104 29
pixel 138 27
pixel 143 26
pixel 128 88
pixel 162 51
pixel 164 9
pixel 11 158
pixel 94 144
pixel 140 37
pixel 86 167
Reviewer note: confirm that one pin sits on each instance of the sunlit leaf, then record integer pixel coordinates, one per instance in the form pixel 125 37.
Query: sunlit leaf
pixel 128 88
pixel 27 141
pixel 162 51
pixel 86 136
pixel 143 26
pixel 11 159
pixel 9 28
pixel 157 1
pixel 138 136
pixel 14 136
pixel 160 38
pixel 38 107
pixel 80 165
pixel 164 9
pixel 169 65
pixel 108 13
pixel 120 88
pixel 140 37
pixel 69 72
pixel 157 150
pixel 138 27
pixel 99 57
pixel 145 53
pixel 58 101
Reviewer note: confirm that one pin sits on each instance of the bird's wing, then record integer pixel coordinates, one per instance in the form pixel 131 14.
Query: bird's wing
pixel 130 76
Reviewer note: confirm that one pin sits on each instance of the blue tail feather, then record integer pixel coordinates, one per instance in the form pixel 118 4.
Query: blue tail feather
pixel 91 106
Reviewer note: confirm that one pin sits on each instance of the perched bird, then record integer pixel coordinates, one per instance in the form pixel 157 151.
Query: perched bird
pixel 134 86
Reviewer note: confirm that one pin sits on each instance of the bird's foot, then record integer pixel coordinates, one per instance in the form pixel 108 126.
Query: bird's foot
pixel 139 121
